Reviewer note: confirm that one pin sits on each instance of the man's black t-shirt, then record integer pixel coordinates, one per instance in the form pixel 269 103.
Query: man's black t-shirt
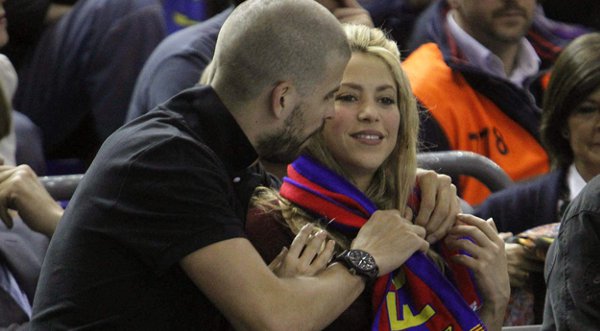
pixel 163 186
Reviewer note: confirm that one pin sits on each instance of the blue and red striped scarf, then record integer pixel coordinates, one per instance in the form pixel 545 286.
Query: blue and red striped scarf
pixel 417 296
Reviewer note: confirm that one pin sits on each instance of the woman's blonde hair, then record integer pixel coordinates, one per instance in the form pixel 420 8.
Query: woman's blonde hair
pixel 395 178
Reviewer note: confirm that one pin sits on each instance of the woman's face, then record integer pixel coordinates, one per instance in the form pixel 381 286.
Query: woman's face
pixel 363 131
pixel 584 135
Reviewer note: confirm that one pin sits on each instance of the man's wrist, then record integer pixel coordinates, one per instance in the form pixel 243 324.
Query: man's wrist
pixel 359 262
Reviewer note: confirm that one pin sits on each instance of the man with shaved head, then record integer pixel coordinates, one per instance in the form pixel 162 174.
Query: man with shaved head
pixel 153 239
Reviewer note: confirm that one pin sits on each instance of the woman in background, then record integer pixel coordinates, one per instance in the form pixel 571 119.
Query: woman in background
pixel 570 133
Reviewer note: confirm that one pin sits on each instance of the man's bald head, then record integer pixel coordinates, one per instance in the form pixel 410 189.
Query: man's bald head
pixel 264 42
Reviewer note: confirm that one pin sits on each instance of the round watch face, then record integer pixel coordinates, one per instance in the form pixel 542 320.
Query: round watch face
pixel 362 260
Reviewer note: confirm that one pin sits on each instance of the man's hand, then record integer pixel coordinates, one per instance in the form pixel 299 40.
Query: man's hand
pixel 390 238
pixel 439 204
pixel 21 190
pixel 308 254
pixel 484 254
pixel 350 11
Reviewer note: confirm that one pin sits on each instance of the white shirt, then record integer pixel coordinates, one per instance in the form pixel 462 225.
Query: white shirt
pixel 527 62
pixel 575 182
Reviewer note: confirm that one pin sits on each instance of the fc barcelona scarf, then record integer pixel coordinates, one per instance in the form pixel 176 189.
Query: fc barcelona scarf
pixel 417 296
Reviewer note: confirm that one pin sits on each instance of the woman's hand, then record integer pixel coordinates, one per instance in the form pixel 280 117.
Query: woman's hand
pixel 390 238
pixel 308 254
pixel 439 204
pixel 484 254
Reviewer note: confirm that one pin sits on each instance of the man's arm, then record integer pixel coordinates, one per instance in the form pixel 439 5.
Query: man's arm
pixel 232 269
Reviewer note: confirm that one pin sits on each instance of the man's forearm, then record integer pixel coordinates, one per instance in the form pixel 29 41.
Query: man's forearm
pixel 312 302
pixel 229 270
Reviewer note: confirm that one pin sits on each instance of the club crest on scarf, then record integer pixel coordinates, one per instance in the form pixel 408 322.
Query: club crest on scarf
pixel 417 296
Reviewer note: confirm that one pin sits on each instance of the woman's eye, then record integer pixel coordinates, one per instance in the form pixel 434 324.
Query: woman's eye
pixel 387 101
pixel 346 98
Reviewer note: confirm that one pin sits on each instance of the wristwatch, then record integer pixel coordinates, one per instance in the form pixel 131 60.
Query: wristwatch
pixel 359 263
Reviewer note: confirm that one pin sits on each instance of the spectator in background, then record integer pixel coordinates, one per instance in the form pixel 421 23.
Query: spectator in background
pixel 572 268
pixel 78 85
pixel 547 36
pixel 21 249
pixel 27 20
pixel 570 133
pixel 178 62
pixel 20 140
pixel 568 130
pixel 474 79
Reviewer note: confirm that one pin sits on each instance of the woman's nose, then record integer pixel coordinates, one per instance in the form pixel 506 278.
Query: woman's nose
pixel 368 112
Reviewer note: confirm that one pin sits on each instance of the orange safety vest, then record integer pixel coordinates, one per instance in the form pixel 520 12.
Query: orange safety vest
pixel 472 122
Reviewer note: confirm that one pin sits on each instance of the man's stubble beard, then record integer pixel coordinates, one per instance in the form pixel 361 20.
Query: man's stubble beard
pixel 285 145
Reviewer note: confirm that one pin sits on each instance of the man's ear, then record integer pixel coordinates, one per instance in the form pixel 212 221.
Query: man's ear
pixel 282 99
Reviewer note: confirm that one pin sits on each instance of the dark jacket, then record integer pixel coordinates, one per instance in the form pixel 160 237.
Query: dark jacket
pixel 525 205
pixel 573 266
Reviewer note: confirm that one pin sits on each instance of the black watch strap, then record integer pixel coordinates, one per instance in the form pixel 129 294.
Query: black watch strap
pixel 359 263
